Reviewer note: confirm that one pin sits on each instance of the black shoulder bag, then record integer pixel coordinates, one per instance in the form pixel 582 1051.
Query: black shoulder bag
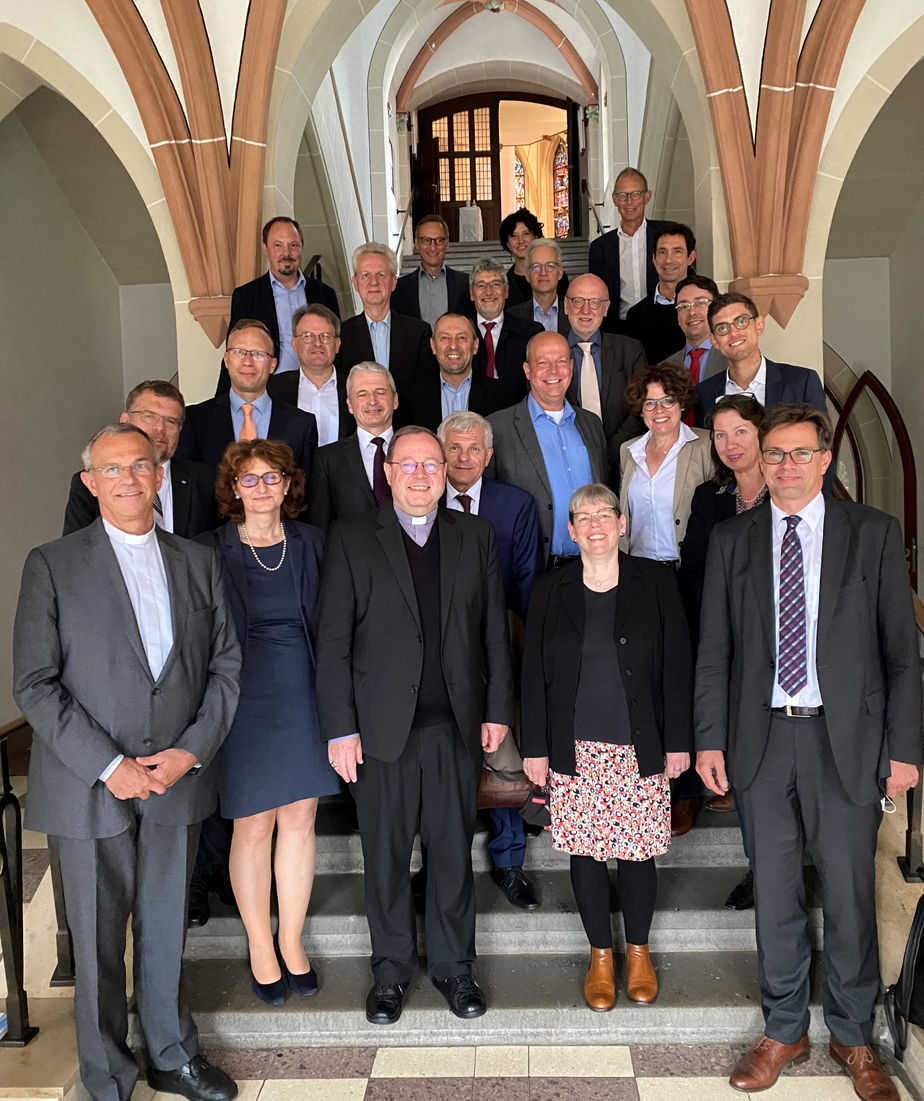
pixel 904 1000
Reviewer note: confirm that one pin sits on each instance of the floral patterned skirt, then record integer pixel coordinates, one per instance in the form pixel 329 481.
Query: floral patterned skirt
pixel 606 810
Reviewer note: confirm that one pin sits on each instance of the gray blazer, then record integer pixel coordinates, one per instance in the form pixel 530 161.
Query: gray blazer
pixel 518 459
pixel 81 678
pixel 715 362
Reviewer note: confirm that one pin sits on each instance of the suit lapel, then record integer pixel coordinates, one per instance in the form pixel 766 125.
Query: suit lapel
pixel 572 596
pixel 760 570
pixel 110 582
pixel 390 536
pixel 450 536
pixel 523 424
pixel 774 385
pixel 182 499
pixel 583 422
pixel 834 544
pixel 684 458
pixel 354 463
pixel 177 570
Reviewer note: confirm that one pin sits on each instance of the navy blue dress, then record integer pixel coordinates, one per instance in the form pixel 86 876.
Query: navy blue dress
pixel 273 753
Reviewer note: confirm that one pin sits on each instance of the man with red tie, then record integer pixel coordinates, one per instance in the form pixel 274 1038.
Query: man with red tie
pixel 698 354
pixel 502 337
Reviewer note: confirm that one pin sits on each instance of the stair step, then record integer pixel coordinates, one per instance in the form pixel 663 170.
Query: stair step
pixel 705 998
pixel 464 254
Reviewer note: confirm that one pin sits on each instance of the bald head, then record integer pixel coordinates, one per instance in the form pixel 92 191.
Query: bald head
pixel 586 304
pixel 548 369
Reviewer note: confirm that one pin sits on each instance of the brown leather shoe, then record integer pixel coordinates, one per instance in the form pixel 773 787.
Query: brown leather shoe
pixel 722 804
pixel 760 1067
pixel 600 984
pixel 641 980
pixel 683 815
pixel 870 1081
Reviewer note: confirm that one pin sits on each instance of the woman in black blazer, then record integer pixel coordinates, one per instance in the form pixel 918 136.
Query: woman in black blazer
pixel 606 719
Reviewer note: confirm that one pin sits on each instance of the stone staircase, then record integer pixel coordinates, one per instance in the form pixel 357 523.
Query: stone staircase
pixel 464 254
pixel 531 965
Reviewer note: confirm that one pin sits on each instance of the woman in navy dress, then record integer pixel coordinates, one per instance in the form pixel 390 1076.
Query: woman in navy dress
pixel 273 765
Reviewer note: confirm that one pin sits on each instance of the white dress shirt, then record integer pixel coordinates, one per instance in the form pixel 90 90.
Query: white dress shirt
pixel 652 531
pixel 633 267
pixel 758 386
pixel 474 492
pixel 367 447
pixel 324 403
pixel 811 534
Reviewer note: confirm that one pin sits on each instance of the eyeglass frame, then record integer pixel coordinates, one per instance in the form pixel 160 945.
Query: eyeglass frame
pixel 316 338
pixel 145 468
pixel 649 405
pixel 277 475
pixel 255 354
pixel 405 465
pixel 585 519
pixel 783 455
pixel 721 328
pixel 149 418
pixel 579 303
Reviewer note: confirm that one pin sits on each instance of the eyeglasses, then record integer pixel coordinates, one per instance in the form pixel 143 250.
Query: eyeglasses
pixel 667 402
pixel 593 303
pixel 243 353
pixel 800 455
pixel 270 478
pixel 143 468
pixel 430 466
pixel 549 265
pixel 150 419
pixel 494 285
pixel 699 303
pixel 431 240
pixel 740 322
pixel 316 338
pixel 621 196
pixel 606 517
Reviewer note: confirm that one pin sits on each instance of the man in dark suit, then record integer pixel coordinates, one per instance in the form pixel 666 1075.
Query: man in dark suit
pixel 502 338
pixel 543 271
pixel 457 386
pixel 348 477
pixel 653 321
pixel 623 257
pixel 468 441
pixel 126 666
pixel 736 328
pixel 614 359
pixel 808 685
pixel 380 334
pixel 247 411
pixel 186 497
pixel 275 296
pixel 317 387
pixel 435 288
pixel 414 682
pixel 531 438
pixel 698 355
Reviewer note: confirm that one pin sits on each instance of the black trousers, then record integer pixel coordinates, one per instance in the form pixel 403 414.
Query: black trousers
pixel 797 803
pixel 431 789
pixel 142 872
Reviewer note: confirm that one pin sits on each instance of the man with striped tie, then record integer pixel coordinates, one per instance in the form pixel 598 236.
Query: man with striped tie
pixel 808 684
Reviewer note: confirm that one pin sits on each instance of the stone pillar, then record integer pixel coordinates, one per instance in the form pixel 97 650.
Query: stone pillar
pixel 403 174
pixel 595 169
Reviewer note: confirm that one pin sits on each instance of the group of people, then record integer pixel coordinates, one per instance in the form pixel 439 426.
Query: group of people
pixel 328 574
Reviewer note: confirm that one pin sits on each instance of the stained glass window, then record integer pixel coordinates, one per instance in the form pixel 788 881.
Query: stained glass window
pixel 561 188
pixel 519 179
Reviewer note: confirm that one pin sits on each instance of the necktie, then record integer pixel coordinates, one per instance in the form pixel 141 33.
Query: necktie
pixel 380 342
pixel 791 674
pixel 158 511
pixel 381 490
pixel 590 390
pixel 489 368
pixel 696 355
pixel 465 501
pixel 248 428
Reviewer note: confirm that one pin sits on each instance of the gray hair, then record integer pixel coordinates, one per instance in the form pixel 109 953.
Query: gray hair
pixel 374 248
pixel 543 242
pixel 121 429
pixel 594 491
pixel 370 365
pixel 487 266
pixel 317 309
pixel 466 421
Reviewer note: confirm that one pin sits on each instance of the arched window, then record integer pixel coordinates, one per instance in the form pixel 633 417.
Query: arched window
pixel 519 176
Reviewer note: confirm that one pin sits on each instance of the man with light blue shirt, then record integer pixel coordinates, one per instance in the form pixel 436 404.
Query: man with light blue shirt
pixel 546 446
pixel 543 271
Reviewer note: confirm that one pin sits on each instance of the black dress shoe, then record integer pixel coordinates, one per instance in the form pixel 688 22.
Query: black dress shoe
pixel 273 993
pixel 198 1080
pixel 742 895
pixel 384 1002
pixel 305 983
pixel 463 995
pixel 518 889
pixel 198 912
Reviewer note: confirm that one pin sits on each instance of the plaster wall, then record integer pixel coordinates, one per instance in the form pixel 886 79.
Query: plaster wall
pixel 148 333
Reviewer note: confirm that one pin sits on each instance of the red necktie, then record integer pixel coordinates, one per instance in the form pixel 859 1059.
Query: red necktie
pixel 489 349
pixel 463 498
pixel 696 355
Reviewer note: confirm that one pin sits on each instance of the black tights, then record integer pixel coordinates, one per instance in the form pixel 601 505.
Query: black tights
pixel 637 881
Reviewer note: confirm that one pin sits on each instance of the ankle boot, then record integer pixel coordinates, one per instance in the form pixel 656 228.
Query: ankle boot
pixel 600 984
pixel 641 981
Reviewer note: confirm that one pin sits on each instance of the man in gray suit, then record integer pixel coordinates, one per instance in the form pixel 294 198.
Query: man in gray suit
pixel 532 438
pixel 126 665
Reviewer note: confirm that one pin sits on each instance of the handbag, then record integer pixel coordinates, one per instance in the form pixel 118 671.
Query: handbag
pixel 496 790
pixel 535 811
pixel 904 1000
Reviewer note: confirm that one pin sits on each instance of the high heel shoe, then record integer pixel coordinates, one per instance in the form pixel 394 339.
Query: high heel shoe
pixel 273 993
pixel 304 984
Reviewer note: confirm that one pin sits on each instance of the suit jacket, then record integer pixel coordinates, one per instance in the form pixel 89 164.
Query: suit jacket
pixel 866 657
pixel 713 364
pixel 620 358
pixel 512 512
pixel 509 353
pixel 82 680
pixel 654 663
pixel 656 326
pixel 524 312
pixel 422 404
pixel 410 356
pixel 518 458
pixel 193 486
pixel 208 429
pixel 338 487
pixel 711 505
pixel 694 465
pixel 284 387
pixel 406 300
pixel 370 657
pixel 784 383
pixel 603 261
